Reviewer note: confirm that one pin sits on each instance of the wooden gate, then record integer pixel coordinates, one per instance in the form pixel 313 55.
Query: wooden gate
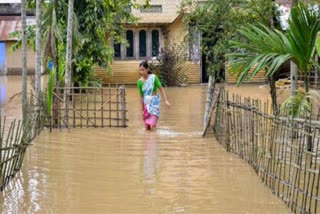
pixel 90 107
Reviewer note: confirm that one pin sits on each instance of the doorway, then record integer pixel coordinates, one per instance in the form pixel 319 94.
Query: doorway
pixel 204 69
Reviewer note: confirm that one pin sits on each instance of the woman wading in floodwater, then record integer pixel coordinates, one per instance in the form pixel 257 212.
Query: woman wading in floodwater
pixel 148 86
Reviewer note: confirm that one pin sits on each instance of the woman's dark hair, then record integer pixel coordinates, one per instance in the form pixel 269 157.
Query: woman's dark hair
pixel 146 66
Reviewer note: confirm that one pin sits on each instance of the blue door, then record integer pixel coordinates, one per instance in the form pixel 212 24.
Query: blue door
pixel 2 57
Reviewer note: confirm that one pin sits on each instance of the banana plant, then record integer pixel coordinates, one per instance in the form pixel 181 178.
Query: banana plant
pixel 300 104
pixel 318 44
pixel 50 90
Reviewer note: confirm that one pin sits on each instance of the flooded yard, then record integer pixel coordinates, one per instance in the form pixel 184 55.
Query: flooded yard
pixel 130 170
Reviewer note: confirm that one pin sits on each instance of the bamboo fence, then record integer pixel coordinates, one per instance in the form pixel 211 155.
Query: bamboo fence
pixel 90 107
pixel 15 137
pixel 283 151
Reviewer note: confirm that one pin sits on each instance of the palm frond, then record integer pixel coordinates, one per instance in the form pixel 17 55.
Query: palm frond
pixel 304 26
pixel 300 104
pixel 265 49
pixel 318 44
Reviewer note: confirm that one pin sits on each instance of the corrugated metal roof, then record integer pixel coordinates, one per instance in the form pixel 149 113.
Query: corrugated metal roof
pixel 10 24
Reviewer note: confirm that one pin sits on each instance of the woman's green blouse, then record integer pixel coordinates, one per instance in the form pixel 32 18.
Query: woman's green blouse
pixel 157 84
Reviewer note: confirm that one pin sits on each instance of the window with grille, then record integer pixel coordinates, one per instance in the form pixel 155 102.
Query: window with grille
pixel 130 48
pixel 117 50
pixel 142 43
pixel 152 9
pixel 194 43
pixel 155 43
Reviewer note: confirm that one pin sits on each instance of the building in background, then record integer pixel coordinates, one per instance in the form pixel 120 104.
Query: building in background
pixel 157 24
pixel 10 21
pixel 163 21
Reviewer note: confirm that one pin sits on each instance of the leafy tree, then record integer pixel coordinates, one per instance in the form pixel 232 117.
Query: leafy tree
pixel 218 22
pixel 100 22
pixel 269 48
pixel 171 65
pixel 96 24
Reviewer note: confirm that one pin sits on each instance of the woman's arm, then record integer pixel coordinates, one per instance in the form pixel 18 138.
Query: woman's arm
pixel 163 93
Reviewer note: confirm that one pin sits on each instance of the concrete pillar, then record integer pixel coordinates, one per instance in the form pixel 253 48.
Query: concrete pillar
pixel 293 78
pixel 160 40
pixel 136 44
pixel 123 51
pixel 149 43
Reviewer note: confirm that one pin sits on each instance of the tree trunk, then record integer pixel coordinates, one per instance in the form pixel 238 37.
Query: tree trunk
pixel 293 78
pixel 56 56
pixel 55 113
pixel 271 79
pixel 270 18
pixel 24 58
pixel 210 94
pixel 38 53
pixel 308 128
pixel 68 57
pixel 293 67
pixel 273 93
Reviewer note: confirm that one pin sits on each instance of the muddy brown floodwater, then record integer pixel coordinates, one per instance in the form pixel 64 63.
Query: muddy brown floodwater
pixel 172 170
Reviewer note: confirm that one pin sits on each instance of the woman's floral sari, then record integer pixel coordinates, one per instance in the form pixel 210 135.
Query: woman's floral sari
pixel 151 102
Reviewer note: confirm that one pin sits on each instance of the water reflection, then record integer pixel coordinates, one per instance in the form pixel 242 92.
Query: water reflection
pixel 3 93
pixel 151 163
pixel 172 170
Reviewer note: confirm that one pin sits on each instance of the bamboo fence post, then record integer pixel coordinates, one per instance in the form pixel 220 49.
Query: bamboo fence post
pixel 19 139
pixel 74 106
pixel 95 108
pixel 118 103
pixel 252 139
pixel 7 152
pixel 228 126
pixel 87 107
pixel 15 145
pixel 123 105
pixel 277 147
pixel 110 106
pixel 59 113
pixel 102 124
pixel 317 190
pixel 314 168
pixel 80 88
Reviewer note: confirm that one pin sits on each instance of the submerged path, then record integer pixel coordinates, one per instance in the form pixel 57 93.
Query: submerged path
pixel 172 170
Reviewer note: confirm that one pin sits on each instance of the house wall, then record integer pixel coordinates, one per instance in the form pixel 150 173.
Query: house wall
pixel 260 77
pixel 177 31
pixel 14 60
pixel 136 30
pixel 123 72
pixel 193 72
pixel 127 72
pixel 177 34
